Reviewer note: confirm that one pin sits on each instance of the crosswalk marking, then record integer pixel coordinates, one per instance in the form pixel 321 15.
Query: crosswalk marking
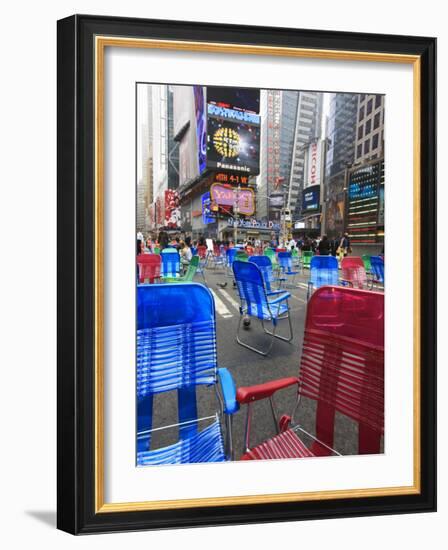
pixel 229 298
pixel 221 308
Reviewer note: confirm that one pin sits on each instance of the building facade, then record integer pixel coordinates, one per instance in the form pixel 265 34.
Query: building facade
pixel 290 120
pixel 340 155
pixel 365 180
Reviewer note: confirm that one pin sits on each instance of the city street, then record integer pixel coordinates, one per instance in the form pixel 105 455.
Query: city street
pixel 249 368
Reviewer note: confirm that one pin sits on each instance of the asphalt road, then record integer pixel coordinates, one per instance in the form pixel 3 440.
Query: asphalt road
pixel 248 368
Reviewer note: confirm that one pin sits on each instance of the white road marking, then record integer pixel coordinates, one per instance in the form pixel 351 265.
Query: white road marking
pixel 299 299
pixel 221 308
pixel 229 298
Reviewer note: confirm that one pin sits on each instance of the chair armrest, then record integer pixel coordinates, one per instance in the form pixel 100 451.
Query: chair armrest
pixel 272 292
pixel 262 391
pixel 231 405
pixel 285 296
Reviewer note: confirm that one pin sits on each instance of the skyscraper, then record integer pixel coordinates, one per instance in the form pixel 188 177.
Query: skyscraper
pixel 341 138
pixel 307 128
pixel 290 120
pixel 370 128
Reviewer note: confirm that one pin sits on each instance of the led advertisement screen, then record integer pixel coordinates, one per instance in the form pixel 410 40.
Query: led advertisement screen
pixel 233 146
pixel 235 98
pixel 230 196
pixel 311 199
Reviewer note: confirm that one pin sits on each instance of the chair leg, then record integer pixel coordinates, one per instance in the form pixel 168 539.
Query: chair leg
pixel 259 351
pixel 308 293
pixel 273 333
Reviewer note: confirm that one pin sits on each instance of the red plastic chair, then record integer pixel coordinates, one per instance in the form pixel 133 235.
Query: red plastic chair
pixel 149 267
pixel 202 251
pixel 354 272
pixel 342 369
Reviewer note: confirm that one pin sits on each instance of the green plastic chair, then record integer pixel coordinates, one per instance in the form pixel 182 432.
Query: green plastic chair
pixel 366 262
pixel 271 255
pixel 189 274
pixel 295 257
pixel 306 258
pixel 242 256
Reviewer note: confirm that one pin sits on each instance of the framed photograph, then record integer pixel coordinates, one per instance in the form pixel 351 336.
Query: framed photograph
pixel 246 274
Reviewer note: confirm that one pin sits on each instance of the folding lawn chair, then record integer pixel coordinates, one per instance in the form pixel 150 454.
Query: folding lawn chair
pixel 218 257
pixel 295 258
pixel 148 267
pixel 170 262
pixel 353 272
pixel 242 256
pixel 306 258
pixel 377 269
pixel 176 350
pixel 366 262
pixel 341 369
pixel 324 270
pixel 270 253
pixel 189 274
pixel 286 269
pixel 265 266
pixel 256 302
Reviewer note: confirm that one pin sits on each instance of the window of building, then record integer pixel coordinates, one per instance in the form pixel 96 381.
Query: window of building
pixel 360 132
pixel 369 106
pixel 376 121
pixel 359 150
pixel 368 126
pixel 366 146
pixel 361 113
pixel 375 141
pixel 377 101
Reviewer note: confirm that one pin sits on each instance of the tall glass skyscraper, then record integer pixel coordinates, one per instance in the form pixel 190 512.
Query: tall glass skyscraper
pixel 341 139
pixel 290 120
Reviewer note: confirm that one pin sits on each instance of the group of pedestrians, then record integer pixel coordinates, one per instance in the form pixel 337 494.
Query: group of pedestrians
pixel 339 246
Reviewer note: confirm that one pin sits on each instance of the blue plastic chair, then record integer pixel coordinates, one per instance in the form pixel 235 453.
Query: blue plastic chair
pixel 256 302
pixel 286 267
pixel 170 262
pixel 176 350
pixel 323 271
pixel 377 270
pixel 265 265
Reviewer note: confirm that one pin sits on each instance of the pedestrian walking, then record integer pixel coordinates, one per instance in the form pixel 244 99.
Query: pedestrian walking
pixel 324 246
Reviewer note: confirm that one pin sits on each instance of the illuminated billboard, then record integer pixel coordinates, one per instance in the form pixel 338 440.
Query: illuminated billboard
pixel 208 216
pixel 246 99
pixel 224 195
pixel 201 126
pixel 233 146
pixel 172 209
pixel 311 199
pixel 314 164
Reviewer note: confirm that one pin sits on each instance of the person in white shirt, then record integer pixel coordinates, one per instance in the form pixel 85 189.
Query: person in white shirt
pixel 185 254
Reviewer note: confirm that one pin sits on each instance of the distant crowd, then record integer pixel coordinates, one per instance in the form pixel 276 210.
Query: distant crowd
pixel 188 247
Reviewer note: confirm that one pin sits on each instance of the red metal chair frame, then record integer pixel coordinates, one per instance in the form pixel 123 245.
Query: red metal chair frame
pixel 354 272
pixel 342 369
pixel 149 266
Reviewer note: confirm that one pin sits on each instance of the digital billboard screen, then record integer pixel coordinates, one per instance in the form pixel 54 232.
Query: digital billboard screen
pixel 233 146
pixel 247 99
pixel 207 215
pixel 311 199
